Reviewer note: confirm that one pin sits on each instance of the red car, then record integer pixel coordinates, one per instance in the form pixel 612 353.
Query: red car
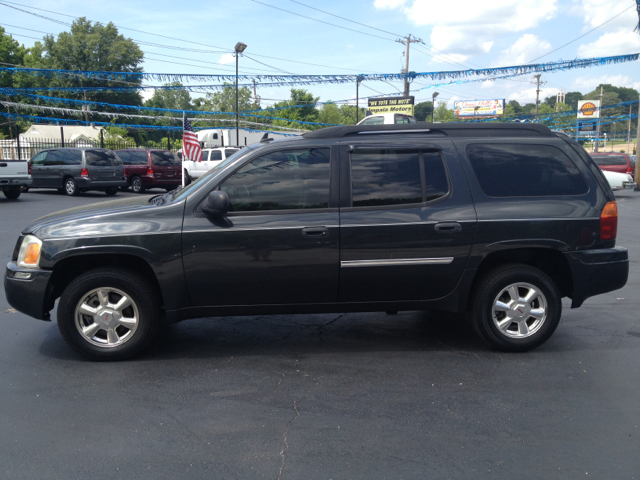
pixel 614 162
pixel 146 169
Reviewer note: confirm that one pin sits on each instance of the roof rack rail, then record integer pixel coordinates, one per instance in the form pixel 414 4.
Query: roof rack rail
pixel 466 129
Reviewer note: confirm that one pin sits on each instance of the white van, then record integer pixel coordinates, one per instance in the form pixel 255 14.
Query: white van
pixel 211 158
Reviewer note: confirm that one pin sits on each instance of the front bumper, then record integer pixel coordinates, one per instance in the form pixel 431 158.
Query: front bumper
pixel 597 271
pixel 31 296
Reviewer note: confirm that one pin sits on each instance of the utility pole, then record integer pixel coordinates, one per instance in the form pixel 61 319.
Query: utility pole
pixel 255 99
pixel 629 131
pixel 86 118
pixel 407 41
pixel 538 83
pixel 9 121
pixel 595 147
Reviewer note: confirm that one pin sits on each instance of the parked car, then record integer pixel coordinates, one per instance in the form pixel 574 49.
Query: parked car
pixel 619 181
pixel 145 169
pixel 614 162
pixel 74 170
pixel 387 119
pixel 497 220
pixel 211 158
pixel 14 175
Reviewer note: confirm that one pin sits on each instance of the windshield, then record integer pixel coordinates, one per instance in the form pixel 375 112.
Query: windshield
pixel 183 192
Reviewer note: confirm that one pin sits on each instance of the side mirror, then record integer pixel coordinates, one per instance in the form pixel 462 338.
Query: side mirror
pixel 217 204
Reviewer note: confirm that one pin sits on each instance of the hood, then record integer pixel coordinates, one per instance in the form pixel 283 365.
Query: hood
pixel 91 211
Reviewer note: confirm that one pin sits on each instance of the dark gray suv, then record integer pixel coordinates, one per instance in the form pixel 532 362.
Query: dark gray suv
pixel 75 170
pixel 497 221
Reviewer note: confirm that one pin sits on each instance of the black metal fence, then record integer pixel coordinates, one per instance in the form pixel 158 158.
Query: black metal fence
pixel 23 148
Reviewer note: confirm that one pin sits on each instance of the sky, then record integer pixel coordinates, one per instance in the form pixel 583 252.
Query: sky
pixel 294 36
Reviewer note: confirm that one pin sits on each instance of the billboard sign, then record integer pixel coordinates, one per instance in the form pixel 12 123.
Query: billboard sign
pixel 588 109
pixel 391 105
pixel 479 108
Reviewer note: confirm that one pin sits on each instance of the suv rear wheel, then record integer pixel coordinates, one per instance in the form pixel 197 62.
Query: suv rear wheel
pixel 70 187
pixel 109 314
pixel 136 185
pixel 516 308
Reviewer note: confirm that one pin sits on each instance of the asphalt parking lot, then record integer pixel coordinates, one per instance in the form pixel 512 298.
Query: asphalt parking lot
pixel 370 396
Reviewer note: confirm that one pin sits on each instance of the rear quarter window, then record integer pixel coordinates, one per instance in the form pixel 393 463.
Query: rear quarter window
pixel 164 159
pixel 102 158
pixel 512 170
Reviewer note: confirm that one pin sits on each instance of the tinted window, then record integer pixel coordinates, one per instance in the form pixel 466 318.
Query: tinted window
pixel 290 179
pixel 385 177
pixel 525 170
pixel 616 160
pixel 215 155
pixel 165 159
pixel 101 158
pixel 401 119
pixel 373 121
pixel 124 155
pixel 53 158
pixel 435 176
pixel 230 151
pixel 599 159
pixel 39 159
pixel 138 158
pixel 70 157
pixel 412 120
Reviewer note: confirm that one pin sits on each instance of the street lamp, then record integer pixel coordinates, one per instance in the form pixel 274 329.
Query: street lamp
pixel 239 48
pixel 475 111
pixel 433 104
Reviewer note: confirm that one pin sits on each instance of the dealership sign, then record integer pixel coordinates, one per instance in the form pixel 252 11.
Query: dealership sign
pixel 588 109
pixel 391 105
pixel 479 108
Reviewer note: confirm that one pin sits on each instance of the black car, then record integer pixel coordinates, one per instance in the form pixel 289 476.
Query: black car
pixel 500 221
pixel 73 170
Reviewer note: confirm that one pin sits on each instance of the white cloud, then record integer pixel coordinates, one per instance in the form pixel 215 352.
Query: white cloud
pixel 596 12
pixel 227 58
pixel 587 84
pixel 528 95
pixel 610 44
pixel 388 4
pixel 525 49
pixel 469 27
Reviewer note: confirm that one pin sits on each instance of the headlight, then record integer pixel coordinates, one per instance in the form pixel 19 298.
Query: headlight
pixel 29 255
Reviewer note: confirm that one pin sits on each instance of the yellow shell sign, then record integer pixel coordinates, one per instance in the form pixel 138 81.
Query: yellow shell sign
pixel 588 109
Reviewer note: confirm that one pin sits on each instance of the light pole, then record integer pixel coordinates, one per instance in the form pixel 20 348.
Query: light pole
pixel 239 48
pixel 475 111
pixel 433 104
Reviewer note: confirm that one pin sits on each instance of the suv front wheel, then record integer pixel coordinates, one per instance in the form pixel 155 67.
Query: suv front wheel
pixel 109 314
pixel 516 308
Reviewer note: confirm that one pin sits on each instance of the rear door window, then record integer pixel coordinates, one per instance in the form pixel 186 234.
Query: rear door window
pixel 215 155
pixel 599 159
pixel 615 160
pixel 511 170
pixel 396 177
pixel 70 157
pixel 101 158
pixel 53 158
pixel 164 159
pixel 39 159
pixel 138 158
pixel 230 151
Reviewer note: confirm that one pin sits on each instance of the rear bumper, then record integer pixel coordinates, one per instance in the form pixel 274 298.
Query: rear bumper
pixel 29 295
pixel 15 182
pixel 152 181
pixel 597 271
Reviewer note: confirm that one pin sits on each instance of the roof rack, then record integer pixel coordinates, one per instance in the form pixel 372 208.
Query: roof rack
pixel 466 129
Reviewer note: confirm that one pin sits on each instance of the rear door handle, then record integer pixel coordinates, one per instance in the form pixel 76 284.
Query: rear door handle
pixel 315 232
pixel 447 227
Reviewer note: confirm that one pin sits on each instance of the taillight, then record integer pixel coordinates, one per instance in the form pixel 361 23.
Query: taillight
pixel 149 171
pixel 29 167
pixel 84 172
pixel 629 170
pixel 609 221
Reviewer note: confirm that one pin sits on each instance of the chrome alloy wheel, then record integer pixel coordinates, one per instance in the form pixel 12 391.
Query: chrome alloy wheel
pixel 106 317
pixel 70 186
pixel 519 310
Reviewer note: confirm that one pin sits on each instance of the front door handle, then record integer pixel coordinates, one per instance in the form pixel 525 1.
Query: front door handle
pixel 315 232
pixel 447 227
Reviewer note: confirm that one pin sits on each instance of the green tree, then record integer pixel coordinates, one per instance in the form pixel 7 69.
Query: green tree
pixel 422 111
pixel 443 114
pixel 349 114
pixel 330 113
pixel 225 100
pixel 175 99
pixel 11 53
pixel 88 46
pixel 572 99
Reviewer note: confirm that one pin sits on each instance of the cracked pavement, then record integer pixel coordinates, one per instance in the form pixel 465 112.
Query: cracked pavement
pixel 406 396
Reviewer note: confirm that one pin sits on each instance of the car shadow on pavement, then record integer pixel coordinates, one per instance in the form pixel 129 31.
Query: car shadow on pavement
pixel 277 335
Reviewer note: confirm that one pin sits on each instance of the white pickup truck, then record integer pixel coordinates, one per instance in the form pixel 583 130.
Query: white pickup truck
pixel 14 174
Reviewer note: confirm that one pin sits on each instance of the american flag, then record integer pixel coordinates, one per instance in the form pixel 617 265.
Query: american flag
pixel 190 146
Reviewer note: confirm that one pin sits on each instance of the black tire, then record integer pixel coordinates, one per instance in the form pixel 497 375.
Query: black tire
pixel 187 178
pixel 25 189
pixel 12 193
pixel 88 289
pixel 525 325
pixel 111 191
pixel 136 185
pixel 70 187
